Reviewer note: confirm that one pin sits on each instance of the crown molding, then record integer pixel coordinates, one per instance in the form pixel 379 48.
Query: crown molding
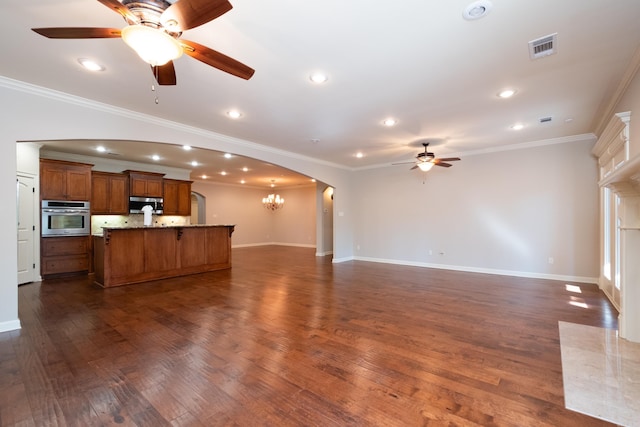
pixel 607 110
pixel 157 121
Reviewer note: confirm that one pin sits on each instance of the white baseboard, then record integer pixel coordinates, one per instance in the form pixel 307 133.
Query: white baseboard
pixel 531 275
pixel 250 245
pixel 11 325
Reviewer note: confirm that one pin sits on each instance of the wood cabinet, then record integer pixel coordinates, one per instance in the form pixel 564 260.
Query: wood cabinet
pixel 132 255
pixel 109 193
pixel 64 255
pixel 60 180
pixel 145 184
pixel 177 197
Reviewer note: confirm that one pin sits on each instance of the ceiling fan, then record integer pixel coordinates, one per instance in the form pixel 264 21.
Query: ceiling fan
pixel 154 30
pixel 426 160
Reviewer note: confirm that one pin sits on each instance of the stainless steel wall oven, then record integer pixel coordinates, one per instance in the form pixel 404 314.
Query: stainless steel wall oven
pixel 65 218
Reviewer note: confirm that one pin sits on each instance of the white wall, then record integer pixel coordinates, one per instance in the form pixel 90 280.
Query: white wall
pixel 294 224
pixel 505 212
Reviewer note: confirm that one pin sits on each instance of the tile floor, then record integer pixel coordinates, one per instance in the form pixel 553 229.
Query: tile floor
pixel 601 373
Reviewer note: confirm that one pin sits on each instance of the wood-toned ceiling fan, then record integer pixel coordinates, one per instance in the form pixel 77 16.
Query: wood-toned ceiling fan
pixel 165 22
pixel 426 160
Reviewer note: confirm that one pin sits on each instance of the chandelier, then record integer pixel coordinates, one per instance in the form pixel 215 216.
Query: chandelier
pixel 273 202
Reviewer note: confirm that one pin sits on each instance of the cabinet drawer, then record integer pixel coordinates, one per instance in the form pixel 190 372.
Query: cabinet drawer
pixel 65 264
pixel 55 246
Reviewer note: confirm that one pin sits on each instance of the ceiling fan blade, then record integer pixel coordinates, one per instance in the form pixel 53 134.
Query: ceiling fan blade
pixel 449 159
pixel 439 163
pixel 415 167
pixel 165 74
pixel 78 33
pixel 216 59
pixel 186 14
pixel 401 163
pixel 121 9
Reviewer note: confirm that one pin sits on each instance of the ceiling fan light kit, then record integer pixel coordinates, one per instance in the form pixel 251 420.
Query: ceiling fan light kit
pixel 154 30
pixel 154 46
pixel 425 166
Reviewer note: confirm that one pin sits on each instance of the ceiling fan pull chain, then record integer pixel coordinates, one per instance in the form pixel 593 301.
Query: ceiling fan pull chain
pixel 153 85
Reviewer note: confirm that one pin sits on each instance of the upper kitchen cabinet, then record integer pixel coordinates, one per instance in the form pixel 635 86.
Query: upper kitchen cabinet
pixel 145 184
pixel 177 197
pixel 109 193
pixel 60 180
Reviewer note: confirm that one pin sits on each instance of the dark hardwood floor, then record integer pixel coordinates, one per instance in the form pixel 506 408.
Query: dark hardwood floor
pixel 287 339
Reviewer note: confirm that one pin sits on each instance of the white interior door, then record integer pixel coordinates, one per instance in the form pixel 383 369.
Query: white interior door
pixel 26 229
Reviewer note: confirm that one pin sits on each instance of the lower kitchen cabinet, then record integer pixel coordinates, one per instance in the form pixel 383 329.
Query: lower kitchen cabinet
pixel 64 255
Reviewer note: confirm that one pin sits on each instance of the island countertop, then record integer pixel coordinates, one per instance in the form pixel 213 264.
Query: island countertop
pixel 124 255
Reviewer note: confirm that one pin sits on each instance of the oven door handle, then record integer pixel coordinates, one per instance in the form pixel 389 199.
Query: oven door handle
pixel 64 211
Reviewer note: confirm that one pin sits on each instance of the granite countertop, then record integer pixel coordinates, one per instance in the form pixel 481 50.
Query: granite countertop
pixel 143 227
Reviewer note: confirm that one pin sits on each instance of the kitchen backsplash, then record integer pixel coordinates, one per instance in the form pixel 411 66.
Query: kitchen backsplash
pixel 99 221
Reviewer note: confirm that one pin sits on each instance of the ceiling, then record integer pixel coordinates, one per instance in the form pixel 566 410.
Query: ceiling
pixel 417 61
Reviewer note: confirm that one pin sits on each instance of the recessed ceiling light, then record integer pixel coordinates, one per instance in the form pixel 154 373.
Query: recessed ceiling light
pixel 223 173
pixel 245 169
pixel 101 149
pixel 186 147
pixel 204 176
pixel 318 78
pixel 507 93
pixel 227 156
pixel 242 181
pixel 389 122
pixel 90 64
pixel 234 114
pixel 517 126
pixel 477 10
pixel 359 155
pixel 155 157
pixel 194 163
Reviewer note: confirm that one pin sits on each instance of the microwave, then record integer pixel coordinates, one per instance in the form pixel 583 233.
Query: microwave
pixel 137 203
pixel 65 218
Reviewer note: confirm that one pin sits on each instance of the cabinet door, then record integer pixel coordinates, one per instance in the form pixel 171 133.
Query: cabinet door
pixel 99 194
pixel 78 183
pixel 138 187
pixel 65 181
pixel 52 181
pixel 118 199
pixel 170 197
pixel 184 198
pixel 154 187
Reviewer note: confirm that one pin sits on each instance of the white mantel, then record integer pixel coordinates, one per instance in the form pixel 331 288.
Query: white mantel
pixel 622 176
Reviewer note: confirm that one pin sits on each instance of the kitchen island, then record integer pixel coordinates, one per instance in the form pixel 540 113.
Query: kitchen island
pixel 139 254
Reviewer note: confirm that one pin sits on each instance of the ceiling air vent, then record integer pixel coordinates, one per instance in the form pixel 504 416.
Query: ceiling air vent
pixel 545 120
pixel 543 46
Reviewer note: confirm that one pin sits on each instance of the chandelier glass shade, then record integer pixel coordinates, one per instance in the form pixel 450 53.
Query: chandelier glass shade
pixel 425 166
pixel 273 202
pixel 154 46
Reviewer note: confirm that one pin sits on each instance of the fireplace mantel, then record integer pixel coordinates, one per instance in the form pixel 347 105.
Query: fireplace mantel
pixel 625 180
